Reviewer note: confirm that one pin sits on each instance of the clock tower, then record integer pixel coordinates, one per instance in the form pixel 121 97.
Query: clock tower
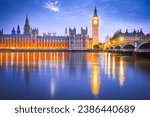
pixel 95 28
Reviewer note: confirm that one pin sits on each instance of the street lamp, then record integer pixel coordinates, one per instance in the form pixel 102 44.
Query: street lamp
pixel 121 38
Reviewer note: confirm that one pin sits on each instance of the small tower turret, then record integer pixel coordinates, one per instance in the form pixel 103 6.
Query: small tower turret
pixel 13 32
pixel 18 30
pixel 35 32
pixel 66 33
pixel 1 32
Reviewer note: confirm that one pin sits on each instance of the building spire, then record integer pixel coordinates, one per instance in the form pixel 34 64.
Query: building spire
pixel 18 30
pixel 27 20
pixel 95 12
pixel 27 26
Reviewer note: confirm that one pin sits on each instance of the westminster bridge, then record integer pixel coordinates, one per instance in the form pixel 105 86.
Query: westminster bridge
pixel 122 45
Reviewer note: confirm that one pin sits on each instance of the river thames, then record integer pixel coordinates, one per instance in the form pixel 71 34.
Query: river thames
pixel 73 76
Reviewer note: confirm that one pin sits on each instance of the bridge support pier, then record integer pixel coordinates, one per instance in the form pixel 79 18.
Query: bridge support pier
pixel 135 54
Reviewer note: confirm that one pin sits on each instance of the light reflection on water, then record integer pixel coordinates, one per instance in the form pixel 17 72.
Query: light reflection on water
pixel 62 75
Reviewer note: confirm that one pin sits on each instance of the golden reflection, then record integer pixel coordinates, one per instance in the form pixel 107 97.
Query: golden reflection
pixel 17 61
pixel 121 73
pixel 32 59
pixel 39 63
pixel 1 59
pixel 45 63
pixel 108 70
pixel 113 67
pixel 54 59
pixel 12 59
pixel 57 65
pixel 22 59
pixel 95 78
pixel 51 62
pixel 6 60
pixel 105 62
pixel 63 61
pixel 28 60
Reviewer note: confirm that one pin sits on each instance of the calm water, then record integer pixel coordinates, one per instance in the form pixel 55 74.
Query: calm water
pixel 54 75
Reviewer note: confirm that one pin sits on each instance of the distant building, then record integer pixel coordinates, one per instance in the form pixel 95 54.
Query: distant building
pixel 30 39
pixel 126 36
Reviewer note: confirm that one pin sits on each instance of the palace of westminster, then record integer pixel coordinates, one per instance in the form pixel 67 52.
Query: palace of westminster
pixel 31 39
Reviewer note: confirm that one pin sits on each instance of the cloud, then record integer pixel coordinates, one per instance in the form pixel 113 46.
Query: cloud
pixel 52 5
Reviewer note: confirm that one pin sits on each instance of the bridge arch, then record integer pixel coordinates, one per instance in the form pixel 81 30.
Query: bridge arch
pixel 112 48
pixel 129 46
pixel 118 47
pixel 145 45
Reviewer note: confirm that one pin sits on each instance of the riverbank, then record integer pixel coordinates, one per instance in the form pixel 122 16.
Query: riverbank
pixel 135 54
pixel 138 54
pixel 44 50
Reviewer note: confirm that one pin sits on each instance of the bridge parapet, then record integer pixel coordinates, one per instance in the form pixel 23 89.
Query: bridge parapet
pixel 123 43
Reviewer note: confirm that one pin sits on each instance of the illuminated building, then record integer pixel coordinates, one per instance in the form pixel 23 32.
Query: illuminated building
pixel 95 28
pixel 78 41
pixel 119 36
pixel 30 39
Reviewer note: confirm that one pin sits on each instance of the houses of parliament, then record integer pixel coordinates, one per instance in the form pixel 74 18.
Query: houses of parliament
pixel 30 39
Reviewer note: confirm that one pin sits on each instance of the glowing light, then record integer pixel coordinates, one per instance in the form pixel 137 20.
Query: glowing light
pixel 1 59
pixel 45 63
pixel 121 39
pixel 51 62
pixel 39 63
pixel 105 62
pixel 95 78
pixel 121 73
pixel 95 22
pixel 22 59
pixel 108 70
pixel 28 60
pixel 63 60
pixel 12 59
pixel 6 59
pixel 113 67
pixel 34 63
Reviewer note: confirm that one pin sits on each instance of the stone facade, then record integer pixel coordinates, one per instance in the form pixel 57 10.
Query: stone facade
pixel 30 38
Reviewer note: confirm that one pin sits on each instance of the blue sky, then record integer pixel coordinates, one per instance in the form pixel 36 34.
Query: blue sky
pixel 55 15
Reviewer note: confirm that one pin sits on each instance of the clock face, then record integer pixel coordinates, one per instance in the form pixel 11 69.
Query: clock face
pixel 95 21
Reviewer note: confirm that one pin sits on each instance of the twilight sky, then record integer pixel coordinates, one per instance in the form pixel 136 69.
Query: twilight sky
pixel 55 15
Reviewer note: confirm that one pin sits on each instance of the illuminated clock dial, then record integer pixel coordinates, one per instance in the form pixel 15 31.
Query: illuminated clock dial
pixel 95 21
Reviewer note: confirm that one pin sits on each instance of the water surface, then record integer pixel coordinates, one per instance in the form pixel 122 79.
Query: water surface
pixel 62 75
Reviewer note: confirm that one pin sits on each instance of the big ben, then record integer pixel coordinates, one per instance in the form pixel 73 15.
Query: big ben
pixel 95 28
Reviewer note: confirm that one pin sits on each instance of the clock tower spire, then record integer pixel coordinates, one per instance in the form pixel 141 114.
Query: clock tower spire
pixel 95 28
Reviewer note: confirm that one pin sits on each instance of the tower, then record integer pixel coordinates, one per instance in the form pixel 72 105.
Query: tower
pixel 72 35
pixel 84 36
pixel 1 32
pixel 66 34
pixel 13 32
pixel 27 26
pixel 35 32
pixel 95 28
pixel 18 30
